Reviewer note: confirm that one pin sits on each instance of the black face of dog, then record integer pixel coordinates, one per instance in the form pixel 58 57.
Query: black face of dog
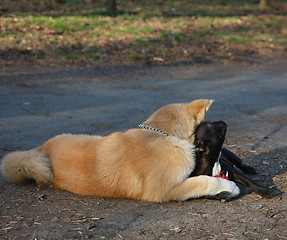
pixel 209 138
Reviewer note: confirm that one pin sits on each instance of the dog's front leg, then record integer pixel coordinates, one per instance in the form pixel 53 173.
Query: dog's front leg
pixel 204 186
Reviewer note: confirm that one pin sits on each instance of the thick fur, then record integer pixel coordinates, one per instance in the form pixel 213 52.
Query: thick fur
pixel 137 164
pixel 21 165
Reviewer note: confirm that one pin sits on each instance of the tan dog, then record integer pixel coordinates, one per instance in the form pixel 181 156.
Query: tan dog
pixel 138 164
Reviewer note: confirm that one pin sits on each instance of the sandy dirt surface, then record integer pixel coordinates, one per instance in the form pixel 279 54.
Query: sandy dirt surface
pixel 36 105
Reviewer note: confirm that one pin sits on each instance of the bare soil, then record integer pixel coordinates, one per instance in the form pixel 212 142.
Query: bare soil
pixel 38 103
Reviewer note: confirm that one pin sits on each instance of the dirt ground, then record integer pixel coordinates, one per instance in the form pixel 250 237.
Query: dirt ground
pixel 37 104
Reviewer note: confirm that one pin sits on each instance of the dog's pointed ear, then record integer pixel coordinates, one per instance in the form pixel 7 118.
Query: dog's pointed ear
pixel 198 108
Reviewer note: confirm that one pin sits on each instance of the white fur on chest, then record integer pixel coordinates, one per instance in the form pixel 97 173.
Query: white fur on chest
pixel 188 162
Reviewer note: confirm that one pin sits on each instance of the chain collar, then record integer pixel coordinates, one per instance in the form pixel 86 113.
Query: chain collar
pixel 152 129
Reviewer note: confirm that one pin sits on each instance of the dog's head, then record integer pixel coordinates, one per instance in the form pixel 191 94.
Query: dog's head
pixel 209 138
pixel 180 119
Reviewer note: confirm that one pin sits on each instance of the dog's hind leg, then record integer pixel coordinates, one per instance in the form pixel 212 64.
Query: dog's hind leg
pixel 237 162
pixel 237 176
pixel 203 186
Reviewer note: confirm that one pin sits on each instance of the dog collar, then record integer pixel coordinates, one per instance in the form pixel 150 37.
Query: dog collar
pixel 152 129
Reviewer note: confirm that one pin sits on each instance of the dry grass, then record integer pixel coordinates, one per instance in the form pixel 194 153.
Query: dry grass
pixel 50 32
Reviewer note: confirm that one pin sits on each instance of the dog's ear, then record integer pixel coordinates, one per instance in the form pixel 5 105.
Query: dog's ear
pixel 198 108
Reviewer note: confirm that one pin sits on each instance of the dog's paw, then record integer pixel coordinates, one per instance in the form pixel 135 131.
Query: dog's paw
pixel 222 185
pixel 221 196
pixel 234 190
pixel 266 192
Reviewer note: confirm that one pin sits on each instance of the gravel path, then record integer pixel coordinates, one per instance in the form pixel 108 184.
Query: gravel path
pixel 251 99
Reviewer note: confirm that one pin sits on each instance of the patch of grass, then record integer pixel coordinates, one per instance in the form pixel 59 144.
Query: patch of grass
pixel 133 56
pixel 53 40
pixel 131 30
pixel 59 24
pixel 232 38
pixel 176 26
pixel 93 55
pixel 148 29
pixel 163 35
pixel 64 23
pixel 72 57
pixel 205 32
pixel 138 40
pixel 9 32
pixel 276 22
pixel 70 23
pixel 129 17
pixel 37 20
pixel 178 37
pixel 125 30
pixel 152 29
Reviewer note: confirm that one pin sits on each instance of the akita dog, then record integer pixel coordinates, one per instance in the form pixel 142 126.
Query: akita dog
pixel 151 163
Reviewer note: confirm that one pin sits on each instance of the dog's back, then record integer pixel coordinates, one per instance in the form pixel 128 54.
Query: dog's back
pixel 121 165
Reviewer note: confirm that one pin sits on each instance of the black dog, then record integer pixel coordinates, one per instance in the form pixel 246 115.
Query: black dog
pixel 209 138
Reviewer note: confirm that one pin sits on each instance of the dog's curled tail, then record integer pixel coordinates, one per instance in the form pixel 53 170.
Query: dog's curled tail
pixel 21 165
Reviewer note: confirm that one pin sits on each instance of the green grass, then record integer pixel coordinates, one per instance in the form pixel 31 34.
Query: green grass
pixel 148 29
pixel 36 20
pixel 168 29
pixel 232 38
pixel 69 23
pixel 205 32
pixel 163 35
pixel 53 40
pixel 9 32
pixel 133 56
pixel 138 40
pixel 93 55
pixel 71 56
pixel 64 23
pixel 276 22
pixel 178 37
